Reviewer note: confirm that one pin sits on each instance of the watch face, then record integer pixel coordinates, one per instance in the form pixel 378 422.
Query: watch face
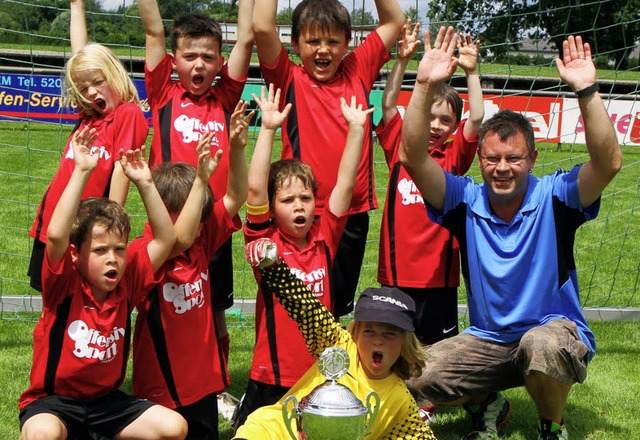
pixel 334 363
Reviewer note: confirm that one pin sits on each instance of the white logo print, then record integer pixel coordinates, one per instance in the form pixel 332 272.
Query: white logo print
pixel 314 280
pixel 192 129
pixel 185 296
pixel 91 344
pixel 185 104
pixel 409 192
pixel 101 151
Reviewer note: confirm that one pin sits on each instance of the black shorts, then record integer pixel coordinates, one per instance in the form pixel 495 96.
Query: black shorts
pixel 348 263
pixel 258 394
pixel 221 275
pixel 436 313
pixel 35 265
pixel 202 418
pixel 99 418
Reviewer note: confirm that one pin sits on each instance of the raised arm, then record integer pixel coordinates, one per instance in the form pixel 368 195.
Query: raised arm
pixel 437 65
pixel 577 70
pixel 265 32
pixel 155 46
pixel 406 48
pixel 468 52
pixel 240 55
pixel 78 26
pixel 261 159
pixel 66 210
pixel 237 182
pixel 340 198
pixel 391 21
pixel 137 170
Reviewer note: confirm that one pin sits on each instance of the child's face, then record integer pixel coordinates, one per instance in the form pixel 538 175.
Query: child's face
pixel 197 61
pixel 293 210
pixel 94 87
pixel 379 347
pixel 321 52
pixel 102 259
pixel 443 123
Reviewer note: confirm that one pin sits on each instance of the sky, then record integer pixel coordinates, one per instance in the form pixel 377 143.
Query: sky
pixel 369 5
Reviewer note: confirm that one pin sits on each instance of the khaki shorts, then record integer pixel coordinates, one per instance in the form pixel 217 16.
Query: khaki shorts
pixel 467 365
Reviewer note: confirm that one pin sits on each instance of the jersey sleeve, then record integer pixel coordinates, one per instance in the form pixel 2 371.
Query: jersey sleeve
pixel 130 129
pixel 389 136
pixel 466 150
pixel 218 228
pixel 280 74
pixel 56 283
pixel 158 81
pixel 316 323
pixel 370 56
pixel 228 90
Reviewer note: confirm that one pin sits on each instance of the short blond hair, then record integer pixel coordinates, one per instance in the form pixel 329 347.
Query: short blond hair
pixel 97 59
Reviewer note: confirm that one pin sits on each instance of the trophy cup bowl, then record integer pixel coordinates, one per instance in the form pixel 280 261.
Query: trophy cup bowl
pixel 331 411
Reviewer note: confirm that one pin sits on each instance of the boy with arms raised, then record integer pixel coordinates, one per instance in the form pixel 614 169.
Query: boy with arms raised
pixel 315 132
pixel 91 283
pixel 185 110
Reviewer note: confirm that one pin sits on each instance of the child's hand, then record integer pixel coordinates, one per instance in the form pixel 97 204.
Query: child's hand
pixel 438 63
pixel 207 163
pixel 261 252
pixel 81 145
pixel 135 165
pixel 271 117
pixel 353 113
pixel 409 43
pixel 240 125
pixel 468 53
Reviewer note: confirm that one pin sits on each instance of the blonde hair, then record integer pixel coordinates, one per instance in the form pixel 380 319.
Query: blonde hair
pixel 97 59
pixel 412 356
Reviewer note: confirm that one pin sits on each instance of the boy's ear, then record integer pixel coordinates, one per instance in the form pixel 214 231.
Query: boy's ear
pixel 75 254
pixel 296 47
pixel 173 59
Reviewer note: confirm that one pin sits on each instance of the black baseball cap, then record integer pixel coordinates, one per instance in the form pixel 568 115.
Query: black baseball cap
pixel 386 304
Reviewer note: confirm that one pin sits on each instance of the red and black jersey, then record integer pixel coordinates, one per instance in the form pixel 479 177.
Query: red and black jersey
pixel 281 356
pixel 315 130
pixel 414 251
pixel 176 357
pixel 81 347
pixel 180 119
pixel 125 128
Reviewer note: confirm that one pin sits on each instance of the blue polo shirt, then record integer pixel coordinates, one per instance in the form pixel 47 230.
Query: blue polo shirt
pixel 520 274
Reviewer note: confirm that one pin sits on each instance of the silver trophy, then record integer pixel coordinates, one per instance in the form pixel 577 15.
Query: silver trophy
pixel 331 411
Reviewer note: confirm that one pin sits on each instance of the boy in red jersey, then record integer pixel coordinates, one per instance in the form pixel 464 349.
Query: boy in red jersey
pixel 315 132
pixel 280 206
pixel 91 283
pixel 185 110
pixel 416 255
pixel 177 361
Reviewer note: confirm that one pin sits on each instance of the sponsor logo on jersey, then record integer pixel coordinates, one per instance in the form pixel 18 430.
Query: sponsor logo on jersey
pixel 100 151
pixel 92 344
pixel 409 192
pixel 192 129
pixel 314 280
pixel 187 296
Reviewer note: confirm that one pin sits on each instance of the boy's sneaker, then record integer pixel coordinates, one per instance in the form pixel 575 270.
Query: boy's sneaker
pixel 488 417
pixel 552 431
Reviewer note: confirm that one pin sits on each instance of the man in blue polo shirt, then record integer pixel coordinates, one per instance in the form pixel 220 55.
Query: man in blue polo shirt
pixel 516 235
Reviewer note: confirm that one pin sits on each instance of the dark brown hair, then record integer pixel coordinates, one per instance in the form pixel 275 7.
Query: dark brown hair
pixel 284 170
pixel 96 211
pixel 328 15
pixel 190 26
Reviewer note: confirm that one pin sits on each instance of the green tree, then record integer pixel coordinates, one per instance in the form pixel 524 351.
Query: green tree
pixel 285 16
pixel 360 17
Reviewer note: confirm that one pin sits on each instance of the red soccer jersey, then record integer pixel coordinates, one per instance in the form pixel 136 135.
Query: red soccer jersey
pixel 281 356
pixel 180 119
pixel 125 128
pixel 80 348
pixel 176 357
pixel 315 130
pixel 414 251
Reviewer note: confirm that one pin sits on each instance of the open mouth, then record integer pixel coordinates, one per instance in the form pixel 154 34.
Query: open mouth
pixel 100 103
pixel 300 220
pixel 323 64
pixel 111 276
pixel 198 80
pixel 377 358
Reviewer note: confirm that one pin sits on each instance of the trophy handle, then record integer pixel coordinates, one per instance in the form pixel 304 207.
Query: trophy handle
pixel 290 415
pixel 372 402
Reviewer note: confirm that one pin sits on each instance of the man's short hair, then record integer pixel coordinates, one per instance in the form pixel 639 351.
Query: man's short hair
pixel 282 171
pixel 98 211
pixel 444 92
pixel 174 182
pixel 195 26
pixel 328 15
pixel 506 124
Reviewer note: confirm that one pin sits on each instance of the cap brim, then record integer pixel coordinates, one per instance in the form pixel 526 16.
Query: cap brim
pixel 393 317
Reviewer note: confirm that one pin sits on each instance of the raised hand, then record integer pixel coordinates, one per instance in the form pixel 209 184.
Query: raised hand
pixel 207 162
pixel 468 53
pixel 353 113
pixel 81 146
pixel 271 117
pixel 409 43
pixel 576 67
pixel 240 125
pixel 438 63
pixel 135 165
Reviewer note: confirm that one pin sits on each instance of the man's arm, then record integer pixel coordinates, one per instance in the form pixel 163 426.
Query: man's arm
pixel 137 170
pixel 78 26
pixel 468 60
pixel 406 48
pixel 66 210
pixel 577 70
pixel 240 56
pixel 265 31
pixel 391 21
pixel 155 46
pixel 237 181
pixel 437 65
pixel 340 198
